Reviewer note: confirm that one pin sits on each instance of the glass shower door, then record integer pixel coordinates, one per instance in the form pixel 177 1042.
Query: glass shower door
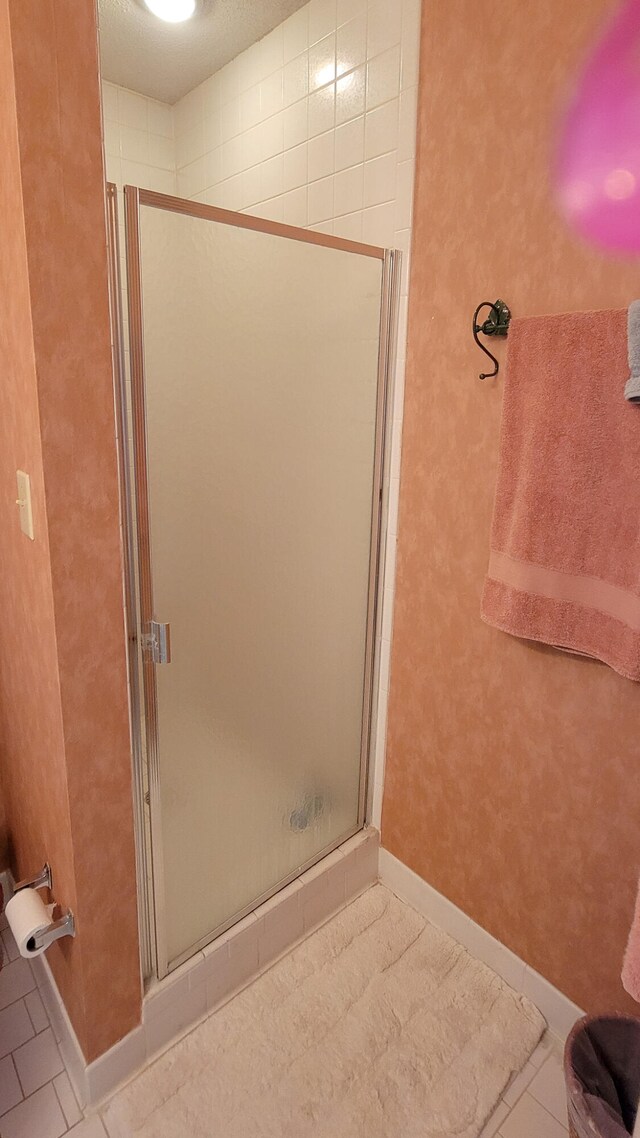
pixel 258 400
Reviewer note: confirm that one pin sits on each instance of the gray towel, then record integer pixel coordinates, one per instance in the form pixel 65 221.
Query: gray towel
pixel 632 387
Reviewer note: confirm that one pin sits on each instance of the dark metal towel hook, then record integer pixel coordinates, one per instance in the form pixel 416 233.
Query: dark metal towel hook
pixel 496 324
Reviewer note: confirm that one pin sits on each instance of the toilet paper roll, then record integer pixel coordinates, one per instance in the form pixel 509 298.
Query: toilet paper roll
pixel 28 915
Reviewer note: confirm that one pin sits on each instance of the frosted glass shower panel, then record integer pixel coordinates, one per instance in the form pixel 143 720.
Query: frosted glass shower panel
pixel 261 365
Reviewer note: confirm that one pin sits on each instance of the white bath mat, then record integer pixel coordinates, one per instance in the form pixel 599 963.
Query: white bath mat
pixel 377 1026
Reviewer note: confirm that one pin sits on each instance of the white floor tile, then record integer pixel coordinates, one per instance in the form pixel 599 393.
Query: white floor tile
pixel 39 1116
pixel 548 1088
pixel 67 1099
pixel 519 1084
pixel 548 1045
pixel 90 1128
pixel 530 1120
pixel 15 1027
pixel 10 1092
pixel 10 945
pixel 16 979
pixel 36 1009
pixel 38 1061
pixel 491 1128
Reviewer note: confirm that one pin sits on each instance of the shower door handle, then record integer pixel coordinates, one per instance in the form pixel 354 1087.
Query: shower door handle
pixel 158 642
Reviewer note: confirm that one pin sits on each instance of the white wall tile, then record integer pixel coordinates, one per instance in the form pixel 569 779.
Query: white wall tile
pixel 271 95
pixel 160 118
pixel 251 185
pixel 295 207
pixel 190 145
pixel 348 9
pixel 134 144
pixel 111 136
pixel 296 79
pixel 404 193
pixel 295 34
pixel 212 129
pixel 383 77
pixel 350 95
pixel 272 210
pixel 192 179
pixel 380 181
pixel 321 161
pixel 349 191
pixel 407 124
pixel 250 112
pixel 349 226
pixel 349 147
pixel 161 151
pixel 322 62
pixel 295 172
pixel 410 44
pixel 381 130
pixel 384 26
pixel 322 18
pixel 110 102
pixel 295 123
pixel 132 109
pixel 271 177
pixel 229 120
pixel 189 111
pixel 322 106
pixel 320 200
pixel 351 44
pixel 232 156
pixel 271 52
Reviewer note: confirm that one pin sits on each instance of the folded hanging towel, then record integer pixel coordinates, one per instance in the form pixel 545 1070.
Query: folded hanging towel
pixel 631 965
pixel 564 566
pixel 632 386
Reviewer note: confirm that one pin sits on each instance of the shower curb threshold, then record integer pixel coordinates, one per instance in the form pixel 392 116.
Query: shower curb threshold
pixel 174 1006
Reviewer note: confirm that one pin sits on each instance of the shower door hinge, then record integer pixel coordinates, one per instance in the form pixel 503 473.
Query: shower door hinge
pixel 157 642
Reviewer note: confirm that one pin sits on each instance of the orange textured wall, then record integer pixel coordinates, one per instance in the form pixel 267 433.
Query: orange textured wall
pixel 66 770
pixel 512 770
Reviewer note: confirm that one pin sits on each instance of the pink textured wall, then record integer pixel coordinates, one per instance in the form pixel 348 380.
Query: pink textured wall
pixel 63 701
pixel 512 773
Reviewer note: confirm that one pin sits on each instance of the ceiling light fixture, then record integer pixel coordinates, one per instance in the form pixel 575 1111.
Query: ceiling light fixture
pixel 173 11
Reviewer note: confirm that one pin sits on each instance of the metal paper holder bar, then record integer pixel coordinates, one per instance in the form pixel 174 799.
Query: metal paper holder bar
pixel 65 924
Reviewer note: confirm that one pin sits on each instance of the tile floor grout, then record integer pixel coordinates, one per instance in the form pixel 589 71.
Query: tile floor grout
pixel 518 1114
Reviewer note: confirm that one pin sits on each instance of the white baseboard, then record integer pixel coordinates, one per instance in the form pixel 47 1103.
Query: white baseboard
pixel 559 1011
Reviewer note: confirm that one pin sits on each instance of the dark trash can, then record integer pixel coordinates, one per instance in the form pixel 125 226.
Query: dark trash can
pixel 602 1073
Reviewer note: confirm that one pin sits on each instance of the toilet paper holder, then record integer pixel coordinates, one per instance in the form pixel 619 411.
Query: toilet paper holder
pixel 65 924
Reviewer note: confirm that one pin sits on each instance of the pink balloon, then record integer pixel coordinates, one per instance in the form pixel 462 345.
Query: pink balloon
pixel 598 161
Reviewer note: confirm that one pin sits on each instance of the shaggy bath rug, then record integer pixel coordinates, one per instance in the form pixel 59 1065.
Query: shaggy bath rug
pixel 377 1025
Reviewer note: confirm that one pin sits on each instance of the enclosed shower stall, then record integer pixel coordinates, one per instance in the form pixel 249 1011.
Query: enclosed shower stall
pixel 255 393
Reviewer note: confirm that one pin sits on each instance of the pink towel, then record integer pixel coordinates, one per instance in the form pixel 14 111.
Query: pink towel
pixel 631 966
pixel 564 566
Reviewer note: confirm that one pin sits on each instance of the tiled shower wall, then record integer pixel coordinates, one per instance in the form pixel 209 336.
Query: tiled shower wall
pixel 314 126
pixel 138 140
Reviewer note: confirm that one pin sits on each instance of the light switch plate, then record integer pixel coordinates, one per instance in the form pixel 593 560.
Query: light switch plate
pixel 24 503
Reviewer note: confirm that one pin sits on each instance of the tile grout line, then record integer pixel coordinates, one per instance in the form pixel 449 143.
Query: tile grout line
pixel 60 1104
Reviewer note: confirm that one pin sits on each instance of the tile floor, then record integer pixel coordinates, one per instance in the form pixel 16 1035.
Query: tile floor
pixel 36 1097
pixel 37 1100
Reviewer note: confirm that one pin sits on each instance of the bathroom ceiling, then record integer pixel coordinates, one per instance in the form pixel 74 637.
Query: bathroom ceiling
pixel 164 61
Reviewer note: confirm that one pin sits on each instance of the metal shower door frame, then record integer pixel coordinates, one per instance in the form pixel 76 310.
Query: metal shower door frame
pixel 134 199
